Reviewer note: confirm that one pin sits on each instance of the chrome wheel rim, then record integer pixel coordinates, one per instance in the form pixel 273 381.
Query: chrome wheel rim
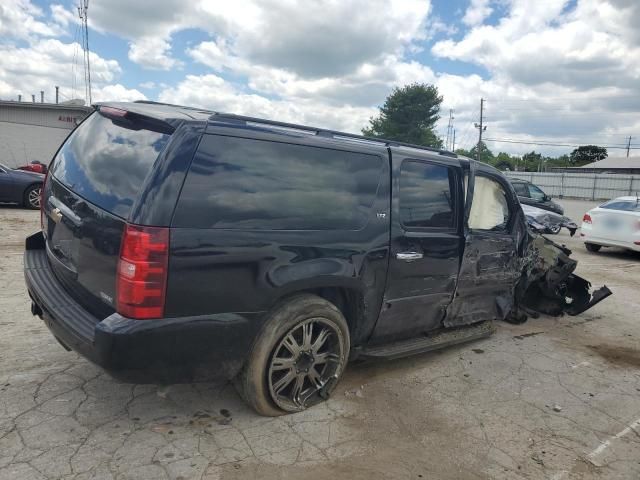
pixel 34 197
pixel 555 229
pixel 305 364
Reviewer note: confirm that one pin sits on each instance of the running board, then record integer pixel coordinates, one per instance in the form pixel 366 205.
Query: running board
pixel 440 339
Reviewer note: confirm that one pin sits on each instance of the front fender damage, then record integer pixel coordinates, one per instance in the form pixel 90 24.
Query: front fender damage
pixel 548 285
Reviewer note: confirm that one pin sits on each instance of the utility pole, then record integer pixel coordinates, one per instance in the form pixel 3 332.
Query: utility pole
pixel 449 130
pixel 628 146
pixel 481 128
pixel 453 149
pixel 57 92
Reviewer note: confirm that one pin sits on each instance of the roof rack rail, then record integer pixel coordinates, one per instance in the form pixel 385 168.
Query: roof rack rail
pixel 322 132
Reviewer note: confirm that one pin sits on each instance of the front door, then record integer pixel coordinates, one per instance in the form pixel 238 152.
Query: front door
pixel 491 263
pixel 426 242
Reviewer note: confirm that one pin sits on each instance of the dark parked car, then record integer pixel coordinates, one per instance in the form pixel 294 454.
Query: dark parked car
pixel 21 187
pixel 531 194
pixel 183 242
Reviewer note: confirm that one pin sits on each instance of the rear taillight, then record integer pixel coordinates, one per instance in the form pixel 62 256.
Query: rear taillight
pixel 44 184
pixel 142 272
pixel 586 218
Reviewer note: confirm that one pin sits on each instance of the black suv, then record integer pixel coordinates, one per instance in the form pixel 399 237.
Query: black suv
pixel 179 242
pixel 531 194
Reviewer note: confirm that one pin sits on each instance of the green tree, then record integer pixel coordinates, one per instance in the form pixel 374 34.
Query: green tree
pixel 503 161
pixel 532 161
pixel 408 115
pixel 587 154
pixel 486 155
pixel 463 152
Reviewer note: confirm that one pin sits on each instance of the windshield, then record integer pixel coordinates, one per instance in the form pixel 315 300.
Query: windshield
pixel 106 163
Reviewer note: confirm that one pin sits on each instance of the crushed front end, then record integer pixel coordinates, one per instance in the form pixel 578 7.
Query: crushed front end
pixel 548 284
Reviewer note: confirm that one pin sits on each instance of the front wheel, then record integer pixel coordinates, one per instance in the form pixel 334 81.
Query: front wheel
pixel 592 247
pixel 32 197
pixel 554 229
pixel 297 359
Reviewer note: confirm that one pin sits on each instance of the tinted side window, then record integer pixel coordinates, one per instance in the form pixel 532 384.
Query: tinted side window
pixel 536 193
pixel 521 189
pixel 490 209
pixel 238 183
pixel 426 195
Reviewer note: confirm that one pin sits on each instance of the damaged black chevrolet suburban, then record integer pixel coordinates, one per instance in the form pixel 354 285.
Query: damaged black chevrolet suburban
pixel 177 241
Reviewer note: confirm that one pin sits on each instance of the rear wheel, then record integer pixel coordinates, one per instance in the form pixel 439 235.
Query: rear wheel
pixel 592 247
pixel 32 197
pixel 298 358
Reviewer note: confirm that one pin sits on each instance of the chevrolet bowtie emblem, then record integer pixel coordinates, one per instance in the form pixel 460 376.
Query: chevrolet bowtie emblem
pixel 56 215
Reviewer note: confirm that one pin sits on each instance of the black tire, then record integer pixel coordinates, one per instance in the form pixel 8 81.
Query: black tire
pixel 32 197
pixel 555 229
pixel 268 364
pixel 592 247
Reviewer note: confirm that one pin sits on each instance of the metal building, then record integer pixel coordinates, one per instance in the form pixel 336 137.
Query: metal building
pixel 34 131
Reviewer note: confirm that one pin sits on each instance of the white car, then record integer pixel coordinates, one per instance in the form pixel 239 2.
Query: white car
pixel 615 223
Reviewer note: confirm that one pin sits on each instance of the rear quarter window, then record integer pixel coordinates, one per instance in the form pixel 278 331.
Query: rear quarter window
pixel 107 164
pixel 238 183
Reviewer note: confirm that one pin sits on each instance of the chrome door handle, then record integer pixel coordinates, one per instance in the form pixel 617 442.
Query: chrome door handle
pixel 409 256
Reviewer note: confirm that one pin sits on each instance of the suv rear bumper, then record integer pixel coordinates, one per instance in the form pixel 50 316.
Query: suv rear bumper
pixel 169 349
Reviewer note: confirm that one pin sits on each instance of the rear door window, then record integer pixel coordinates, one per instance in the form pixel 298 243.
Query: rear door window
pixel 426 195
pixel 107 164
pixel 239 183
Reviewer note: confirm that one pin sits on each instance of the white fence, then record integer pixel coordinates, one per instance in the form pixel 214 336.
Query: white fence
pixel 588 186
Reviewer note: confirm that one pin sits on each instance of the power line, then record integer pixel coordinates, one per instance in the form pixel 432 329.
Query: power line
pixel 549 144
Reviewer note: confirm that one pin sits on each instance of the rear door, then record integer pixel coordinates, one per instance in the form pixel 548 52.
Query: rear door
pixel 426 242
pixel 94 181
pixel 490 265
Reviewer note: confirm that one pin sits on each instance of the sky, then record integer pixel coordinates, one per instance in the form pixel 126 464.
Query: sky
pixel 550 71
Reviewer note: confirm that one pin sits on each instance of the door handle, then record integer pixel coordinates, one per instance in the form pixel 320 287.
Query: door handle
pixel 409 256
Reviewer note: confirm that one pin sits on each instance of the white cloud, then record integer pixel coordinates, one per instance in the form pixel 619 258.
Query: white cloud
pixel 476 13
pixel 63 17
pixel 213 92
pixel 310 39
pixel 555 72
pixel 22 20
pixel 152 53
pixel 117 93
pixel 47 63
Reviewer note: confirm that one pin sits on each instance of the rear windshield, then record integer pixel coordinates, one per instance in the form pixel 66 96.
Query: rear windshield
pixel 624 205
pixel 107 164
pixel 237 183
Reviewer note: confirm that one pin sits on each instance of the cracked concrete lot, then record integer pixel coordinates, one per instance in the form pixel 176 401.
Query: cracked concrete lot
pixel 549 399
